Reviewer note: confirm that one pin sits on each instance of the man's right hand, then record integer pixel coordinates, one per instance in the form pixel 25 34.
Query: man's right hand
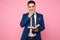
pixel 31 13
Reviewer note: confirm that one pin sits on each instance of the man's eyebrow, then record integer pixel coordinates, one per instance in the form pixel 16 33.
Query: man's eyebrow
pixel 29 6
pixel 32 6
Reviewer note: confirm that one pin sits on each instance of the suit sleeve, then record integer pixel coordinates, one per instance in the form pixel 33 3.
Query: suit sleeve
pixel 24 20
pixel 42 26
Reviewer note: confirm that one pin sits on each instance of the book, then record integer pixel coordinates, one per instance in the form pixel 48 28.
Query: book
pixel 31 27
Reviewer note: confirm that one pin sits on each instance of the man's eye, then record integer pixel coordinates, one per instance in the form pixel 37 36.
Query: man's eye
pixel 32 6
pixel 29 6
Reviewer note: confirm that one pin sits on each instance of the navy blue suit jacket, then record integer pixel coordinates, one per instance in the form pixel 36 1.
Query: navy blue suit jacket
pixel 25 22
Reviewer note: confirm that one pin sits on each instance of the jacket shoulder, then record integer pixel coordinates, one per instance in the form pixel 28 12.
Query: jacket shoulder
pixel 25 14
pixel 39 14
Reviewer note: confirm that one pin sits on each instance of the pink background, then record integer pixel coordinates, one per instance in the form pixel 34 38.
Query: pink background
pixel 11 12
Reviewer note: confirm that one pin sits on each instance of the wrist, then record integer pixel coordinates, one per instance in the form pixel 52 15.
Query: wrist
pixel 29 16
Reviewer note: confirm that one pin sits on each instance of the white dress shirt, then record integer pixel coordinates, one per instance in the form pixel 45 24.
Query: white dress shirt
pixel 30 32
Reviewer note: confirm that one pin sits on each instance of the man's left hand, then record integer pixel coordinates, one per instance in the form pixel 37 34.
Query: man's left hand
pixel 35 30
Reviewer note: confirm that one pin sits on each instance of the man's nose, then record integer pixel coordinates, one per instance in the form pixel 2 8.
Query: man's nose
pixel 31 8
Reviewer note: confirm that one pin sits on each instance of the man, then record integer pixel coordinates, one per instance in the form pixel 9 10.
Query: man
pixel 32 22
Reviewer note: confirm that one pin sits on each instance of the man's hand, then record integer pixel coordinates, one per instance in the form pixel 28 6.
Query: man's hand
pixel 31 13
pixel 35 30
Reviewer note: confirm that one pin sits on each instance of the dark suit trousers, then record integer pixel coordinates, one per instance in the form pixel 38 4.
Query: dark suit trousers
pixel 31 38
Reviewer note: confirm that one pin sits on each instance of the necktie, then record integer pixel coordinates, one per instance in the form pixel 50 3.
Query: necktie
pixel 33 21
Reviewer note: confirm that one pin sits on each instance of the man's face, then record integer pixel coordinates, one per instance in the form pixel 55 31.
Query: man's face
pixel 31 7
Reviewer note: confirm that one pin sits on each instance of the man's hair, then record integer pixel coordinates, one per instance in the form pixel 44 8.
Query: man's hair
pixel 31 1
